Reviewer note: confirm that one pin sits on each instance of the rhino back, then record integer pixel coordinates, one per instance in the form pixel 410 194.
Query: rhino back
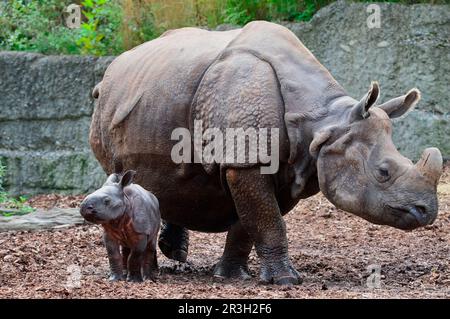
pixel 305 84
pixel 145 94
pixel 151 86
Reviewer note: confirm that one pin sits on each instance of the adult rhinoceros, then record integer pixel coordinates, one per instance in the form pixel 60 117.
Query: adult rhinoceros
pixel 260 76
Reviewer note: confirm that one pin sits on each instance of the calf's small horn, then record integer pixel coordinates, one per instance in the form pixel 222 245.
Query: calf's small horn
pixel 430 164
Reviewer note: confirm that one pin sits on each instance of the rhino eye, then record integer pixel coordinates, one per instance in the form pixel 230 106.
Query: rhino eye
pixel 383 172
pixel 107 201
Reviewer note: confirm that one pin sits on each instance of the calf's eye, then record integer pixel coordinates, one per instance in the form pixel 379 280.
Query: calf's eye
pixel 383 172
pixel 107 200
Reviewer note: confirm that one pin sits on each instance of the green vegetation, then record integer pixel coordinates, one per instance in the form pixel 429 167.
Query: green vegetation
pixel 242 12
pixel 99 33
pixel 39 26
pixel 8 203
pixel 35 26
pixel 110 27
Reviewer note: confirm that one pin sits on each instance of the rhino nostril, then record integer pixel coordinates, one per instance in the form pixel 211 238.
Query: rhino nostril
pixel 88 208
pixel 419 212
pixel 421 209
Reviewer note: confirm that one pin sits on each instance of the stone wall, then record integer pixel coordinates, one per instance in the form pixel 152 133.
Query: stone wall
pixel 45 103
pixel 45 111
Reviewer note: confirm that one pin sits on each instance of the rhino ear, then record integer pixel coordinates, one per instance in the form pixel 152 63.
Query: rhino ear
pixel 127 178
pixel 96 91
pixel 400 105
pixel 319 139
pixel 361 109
pixel 112 179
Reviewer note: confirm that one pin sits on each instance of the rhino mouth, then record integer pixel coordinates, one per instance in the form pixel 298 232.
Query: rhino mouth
pixel 92 217
pixel 413 216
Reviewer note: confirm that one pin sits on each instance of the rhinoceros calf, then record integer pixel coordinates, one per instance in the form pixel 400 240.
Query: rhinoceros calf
pixel 131 219
pixel 260 77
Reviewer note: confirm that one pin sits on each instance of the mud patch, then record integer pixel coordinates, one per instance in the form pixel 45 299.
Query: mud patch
pixel 333 250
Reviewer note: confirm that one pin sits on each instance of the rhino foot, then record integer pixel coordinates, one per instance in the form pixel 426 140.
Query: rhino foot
pixel 116 277
pixel 272 273
pixel 231 269
pixel 151 276
pixel 174 241
pixel 135 278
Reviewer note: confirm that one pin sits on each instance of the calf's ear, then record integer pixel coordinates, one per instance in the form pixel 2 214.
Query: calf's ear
pixel 112 179
pixel 127 178
pixel 400 105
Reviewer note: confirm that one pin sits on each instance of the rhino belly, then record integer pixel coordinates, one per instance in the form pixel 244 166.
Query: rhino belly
pixel 188 196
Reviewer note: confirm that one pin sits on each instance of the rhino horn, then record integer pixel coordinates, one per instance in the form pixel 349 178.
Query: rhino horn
pixel 430 164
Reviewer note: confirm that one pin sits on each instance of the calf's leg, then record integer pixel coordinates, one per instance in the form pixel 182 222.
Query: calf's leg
pixel 114 257
pixel 125 254
pixel 135 261
pixel 150 268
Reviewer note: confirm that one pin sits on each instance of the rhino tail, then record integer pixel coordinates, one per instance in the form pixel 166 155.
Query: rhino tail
pixel 96 90
pixel 125 109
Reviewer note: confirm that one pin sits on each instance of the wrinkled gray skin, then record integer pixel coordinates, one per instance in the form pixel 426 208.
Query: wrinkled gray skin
pixel 260 76
pixel 130 217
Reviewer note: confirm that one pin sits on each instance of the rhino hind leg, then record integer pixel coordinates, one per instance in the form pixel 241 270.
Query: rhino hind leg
pixel 174 241
pixel 233 264
pixel 258 211
pixel 150 267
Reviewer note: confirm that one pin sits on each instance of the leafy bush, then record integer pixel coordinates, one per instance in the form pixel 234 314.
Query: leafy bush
pixel 8 202
pixel 35 26
pixel 138 24
pixel 99 34
pixel 242 12
pixel 39 26
pixel 110 27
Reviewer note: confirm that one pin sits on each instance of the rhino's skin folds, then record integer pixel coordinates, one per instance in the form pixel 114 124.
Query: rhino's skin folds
pixel 260 76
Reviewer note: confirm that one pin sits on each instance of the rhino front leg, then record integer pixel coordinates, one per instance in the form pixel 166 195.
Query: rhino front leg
pixel 114 257
pixel 233 263
pixel 258 211
pixel 125 254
